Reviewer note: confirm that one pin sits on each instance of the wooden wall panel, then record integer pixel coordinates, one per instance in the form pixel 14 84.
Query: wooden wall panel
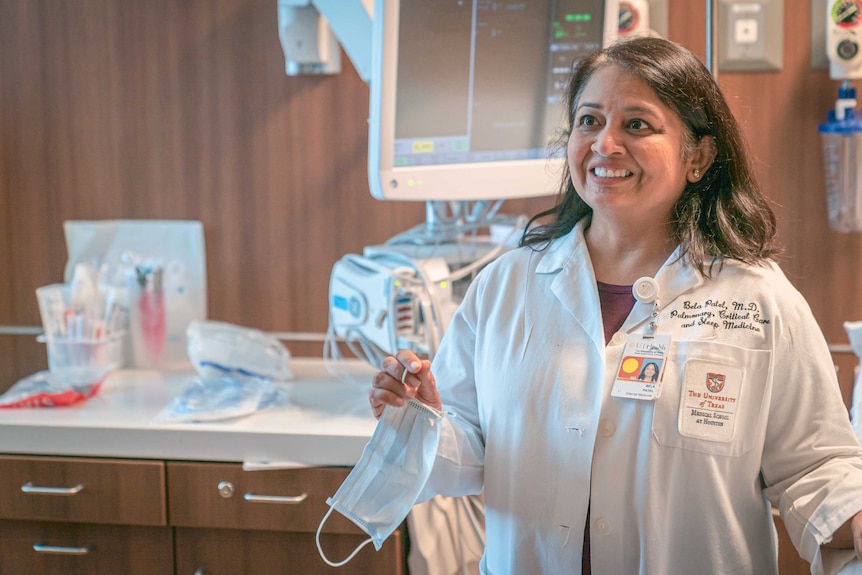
pixel 779 113
pixel 180 109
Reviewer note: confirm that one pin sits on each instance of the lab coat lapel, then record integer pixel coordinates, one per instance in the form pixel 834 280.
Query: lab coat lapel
pixel 674 279
pixel 575 283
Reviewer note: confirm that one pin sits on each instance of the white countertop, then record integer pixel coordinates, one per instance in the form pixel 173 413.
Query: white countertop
pixel 326 422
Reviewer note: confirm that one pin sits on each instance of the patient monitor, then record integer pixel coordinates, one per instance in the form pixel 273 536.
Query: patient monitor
pixel 465 95
pixel 466 104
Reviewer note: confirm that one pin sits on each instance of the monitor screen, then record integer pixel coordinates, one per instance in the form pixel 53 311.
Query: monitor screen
pixel 466 95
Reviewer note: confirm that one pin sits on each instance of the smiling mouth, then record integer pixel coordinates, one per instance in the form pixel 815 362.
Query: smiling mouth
pixel 608 173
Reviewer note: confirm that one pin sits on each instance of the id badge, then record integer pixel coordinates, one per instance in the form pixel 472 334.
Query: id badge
pixel 642 367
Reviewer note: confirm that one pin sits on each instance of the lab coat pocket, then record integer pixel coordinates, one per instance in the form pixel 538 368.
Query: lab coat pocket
pixel 712 398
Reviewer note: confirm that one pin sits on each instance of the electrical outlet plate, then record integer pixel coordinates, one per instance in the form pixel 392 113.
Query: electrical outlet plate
pixel 750 35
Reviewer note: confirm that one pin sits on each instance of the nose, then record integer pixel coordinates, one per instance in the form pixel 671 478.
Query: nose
pixel 608 142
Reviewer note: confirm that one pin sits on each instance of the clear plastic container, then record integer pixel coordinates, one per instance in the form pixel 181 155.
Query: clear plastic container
pixel 842 155
pixel 80 333
pixel 83 361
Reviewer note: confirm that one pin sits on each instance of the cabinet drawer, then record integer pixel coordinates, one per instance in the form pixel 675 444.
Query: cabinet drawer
pixel 84 549
pixel 223 495
pixel 82 490
pixel 237 552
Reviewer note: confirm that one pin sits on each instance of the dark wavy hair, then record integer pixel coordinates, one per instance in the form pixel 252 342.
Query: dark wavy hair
pixel 724 215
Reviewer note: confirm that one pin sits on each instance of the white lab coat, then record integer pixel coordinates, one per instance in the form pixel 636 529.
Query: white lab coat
pixel 526 380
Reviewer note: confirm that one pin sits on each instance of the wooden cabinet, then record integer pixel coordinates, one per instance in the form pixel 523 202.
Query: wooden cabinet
pixel 83 516
pixel 51 548
pixel 247 552
pixel 234 522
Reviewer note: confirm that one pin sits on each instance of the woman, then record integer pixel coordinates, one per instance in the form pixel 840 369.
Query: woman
pixel 649 372
pixel 574 465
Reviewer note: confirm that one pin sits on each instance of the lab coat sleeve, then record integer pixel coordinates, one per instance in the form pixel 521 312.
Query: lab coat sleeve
pixel 812 462
pixel 459 466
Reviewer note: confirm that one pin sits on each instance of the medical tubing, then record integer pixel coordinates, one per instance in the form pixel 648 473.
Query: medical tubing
pixel 418 233
pixel 332 356
pixel 479 263
pixel 320 549
pixel 466 270
pixel 483 211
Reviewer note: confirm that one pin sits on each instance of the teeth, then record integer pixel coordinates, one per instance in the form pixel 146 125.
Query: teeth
pixel 606 173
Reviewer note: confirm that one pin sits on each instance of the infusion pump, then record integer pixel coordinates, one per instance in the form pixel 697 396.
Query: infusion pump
pixel 402 297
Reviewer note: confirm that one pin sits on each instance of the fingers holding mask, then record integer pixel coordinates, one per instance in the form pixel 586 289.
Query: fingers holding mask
pixel 417 379
pixel 401 378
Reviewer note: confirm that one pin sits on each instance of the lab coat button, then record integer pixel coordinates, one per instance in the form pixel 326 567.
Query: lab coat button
pixel 619 338
pixel 602 526
pixel 607 428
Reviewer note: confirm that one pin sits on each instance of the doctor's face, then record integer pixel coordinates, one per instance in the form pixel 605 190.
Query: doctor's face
pixel 649 371
pixel 625 151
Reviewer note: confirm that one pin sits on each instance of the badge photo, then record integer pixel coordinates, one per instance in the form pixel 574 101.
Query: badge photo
pixel 640 368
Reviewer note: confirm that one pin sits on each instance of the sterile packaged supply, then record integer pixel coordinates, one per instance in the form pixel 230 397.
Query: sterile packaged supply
pixel 46 389
pixel 220 348
pixel 81 334
pixel 221 397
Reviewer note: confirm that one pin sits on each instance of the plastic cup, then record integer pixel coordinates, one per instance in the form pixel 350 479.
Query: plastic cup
pixel 83 361
pixel 81 347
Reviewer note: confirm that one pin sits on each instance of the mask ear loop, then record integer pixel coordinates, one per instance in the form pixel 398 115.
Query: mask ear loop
pixel 320 550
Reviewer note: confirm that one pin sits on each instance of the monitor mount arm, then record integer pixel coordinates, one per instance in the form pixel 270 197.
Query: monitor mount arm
pixel 311 30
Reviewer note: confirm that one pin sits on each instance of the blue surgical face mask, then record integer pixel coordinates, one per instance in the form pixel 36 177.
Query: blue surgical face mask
pixel 381 489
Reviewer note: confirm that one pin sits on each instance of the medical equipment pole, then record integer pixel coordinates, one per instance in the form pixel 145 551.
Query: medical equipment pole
pixel 711 37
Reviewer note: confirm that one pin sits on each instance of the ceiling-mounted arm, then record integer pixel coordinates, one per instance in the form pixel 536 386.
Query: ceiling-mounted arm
pixel 311 30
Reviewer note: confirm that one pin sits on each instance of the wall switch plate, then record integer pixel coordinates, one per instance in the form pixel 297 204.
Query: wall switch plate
pixel 750 35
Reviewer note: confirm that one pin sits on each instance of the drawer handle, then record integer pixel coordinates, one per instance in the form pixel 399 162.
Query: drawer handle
pixel 275 498
pixel 58 550
pixel 40 490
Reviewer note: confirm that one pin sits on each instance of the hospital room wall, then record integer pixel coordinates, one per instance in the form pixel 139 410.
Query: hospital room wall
pixel 779 113
pixel 180 109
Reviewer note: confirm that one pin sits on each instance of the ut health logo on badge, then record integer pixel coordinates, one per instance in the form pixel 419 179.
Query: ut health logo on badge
pixel 715 382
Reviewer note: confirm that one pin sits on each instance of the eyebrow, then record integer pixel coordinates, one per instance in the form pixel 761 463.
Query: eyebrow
pixel 638 109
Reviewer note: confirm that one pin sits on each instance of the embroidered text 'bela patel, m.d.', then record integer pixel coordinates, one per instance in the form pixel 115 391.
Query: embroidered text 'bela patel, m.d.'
pixel 720 314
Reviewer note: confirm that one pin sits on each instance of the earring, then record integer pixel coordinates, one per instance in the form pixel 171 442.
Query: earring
pixel 696 174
